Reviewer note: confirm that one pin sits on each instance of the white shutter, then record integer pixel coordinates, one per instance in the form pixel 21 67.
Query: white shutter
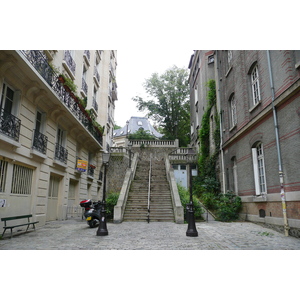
pixel 255 170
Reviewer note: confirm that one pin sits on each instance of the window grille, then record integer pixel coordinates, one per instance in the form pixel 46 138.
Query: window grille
pixel 3 171
pixel 21 180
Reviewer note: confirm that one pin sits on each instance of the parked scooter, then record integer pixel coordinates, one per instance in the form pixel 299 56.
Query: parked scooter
pixel 92 212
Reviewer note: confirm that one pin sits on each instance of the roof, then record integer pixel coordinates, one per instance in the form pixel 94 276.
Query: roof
pixel 135 123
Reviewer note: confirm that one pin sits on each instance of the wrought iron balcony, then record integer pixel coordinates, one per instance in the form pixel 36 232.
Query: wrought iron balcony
pixel 84 87
pixel 61 153
pixel 114 92
pixel 96 75
pixel 40 142
pixel 70 61
pixel 39 61
pixel 90 171
pixel 95 104
pixel 10 125
pixel 87 54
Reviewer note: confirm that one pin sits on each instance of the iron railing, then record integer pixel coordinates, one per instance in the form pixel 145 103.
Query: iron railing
pixel 9 125
pixel 84 86
pixel 61 153
pixel 70 61
pixel 95 104
pixel 149 188
pixel 39 142
pixel 39 62
pixel 90 171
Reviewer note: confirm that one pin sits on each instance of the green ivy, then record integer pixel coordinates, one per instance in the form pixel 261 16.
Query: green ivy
pixel 207 162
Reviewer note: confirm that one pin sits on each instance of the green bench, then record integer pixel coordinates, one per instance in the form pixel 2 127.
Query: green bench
pixel 28 223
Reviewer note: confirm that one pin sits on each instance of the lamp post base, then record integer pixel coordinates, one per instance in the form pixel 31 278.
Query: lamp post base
pixel 191 231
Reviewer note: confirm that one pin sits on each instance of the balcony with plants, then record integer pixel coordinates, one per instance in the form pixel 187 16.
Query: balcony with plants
pixel 66 92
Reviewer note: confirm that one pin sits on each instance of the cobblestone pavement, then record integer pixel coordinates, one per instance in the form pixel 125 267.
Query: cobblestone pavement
pixel 76 235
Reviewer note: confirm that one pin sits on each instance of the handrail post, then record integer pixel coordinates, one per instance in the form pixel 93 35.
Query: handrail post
pixel 149 186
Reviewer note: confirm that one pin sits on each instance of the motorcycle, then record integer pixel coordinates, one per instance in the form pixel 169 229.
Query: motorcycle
pixel 92 212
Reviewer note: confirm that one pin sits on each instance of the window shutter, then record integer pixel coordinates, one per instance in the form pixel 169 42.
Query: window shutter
pixel 255 169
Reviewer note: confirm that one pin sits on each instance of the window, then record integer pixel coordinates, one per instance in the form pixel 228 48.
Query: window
pixel 259 169
pixel 211 59
pixel 3 171
pixel 39 139
pixel 234 172
pixel 233 117
pixel 229 57
pixel 255 86
pixel 21 180
pixel 7 99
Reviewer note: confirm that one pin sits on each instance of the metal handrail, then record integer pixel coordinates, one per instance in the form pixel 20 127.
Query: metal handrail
pixel 149 187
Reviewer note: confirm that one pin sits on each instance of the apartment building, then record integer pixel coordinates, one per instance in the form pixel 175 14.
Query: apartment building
pixel 57 110
pixel 258 100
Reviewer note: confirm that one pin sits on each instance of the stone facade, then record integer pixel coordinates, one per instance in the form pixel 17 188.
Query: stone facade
pixel 44 130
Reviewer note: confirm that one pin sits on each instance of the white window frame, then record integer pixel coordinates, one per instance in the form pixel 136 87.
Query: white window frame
pixel 259 169
pixel 255 86
pixel 232 102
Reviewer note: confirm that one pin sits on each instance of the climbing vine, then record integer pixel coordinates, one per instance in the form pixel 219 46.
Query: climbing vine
pixel 207 179
pixel 207 186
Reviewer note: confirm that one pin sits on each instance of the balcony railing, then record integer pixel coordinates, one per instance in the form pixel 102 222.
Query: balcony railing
pixel 70 61
pixel 90 171
pixel 40 142
pixel 10 125
pixel 96 75
pixel 61 153
pixel 95 104
pixel 114 92
pixel 84 86
pixel 40 63
pixel 87 55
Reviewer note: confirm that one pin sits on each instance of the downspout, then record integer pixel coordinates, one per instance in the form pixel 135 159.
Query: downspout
pixel 220 116
pixel 282 192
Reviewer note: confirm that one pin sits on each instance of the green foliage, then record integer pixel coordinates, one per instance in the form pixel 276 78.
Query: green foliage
pixel 185 199
pixel 209 200
pixel 228 207
pixel 111 201
pixel 206 181
pixel 170 104
pixel 141 134
pixel 70 84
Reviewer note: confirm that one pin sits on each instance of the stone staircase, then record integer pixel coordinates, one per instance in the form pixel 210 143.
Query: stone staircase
pixel 161 209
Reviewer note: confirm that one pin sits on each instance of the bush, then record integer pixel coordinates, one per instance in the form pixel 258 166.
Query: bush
pixel 185 199
pixel 227 207
pixel 111 201
pixel 209 200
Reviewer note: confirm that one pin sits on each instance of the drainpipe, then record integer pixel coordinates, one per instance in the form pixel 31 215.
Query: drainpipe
pixel 282 192
pixel 220 116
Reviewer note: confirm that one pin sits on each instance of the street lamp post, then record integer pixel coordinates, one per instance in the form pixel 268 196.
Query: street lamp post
pixel 129 150
pixel 102 229
pixel 191 231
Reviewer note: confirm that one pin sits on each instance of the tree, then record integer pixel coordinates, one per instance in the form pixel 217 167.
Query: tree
pixel 169 105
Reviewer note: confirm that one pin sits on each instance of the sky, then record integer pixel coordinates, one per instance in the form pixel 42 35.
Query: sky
pixel 137 65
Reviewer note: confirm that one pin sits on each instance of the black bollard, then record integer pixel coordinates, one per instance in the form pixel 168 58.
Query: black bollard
pixel 102 229
pixel 191 231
